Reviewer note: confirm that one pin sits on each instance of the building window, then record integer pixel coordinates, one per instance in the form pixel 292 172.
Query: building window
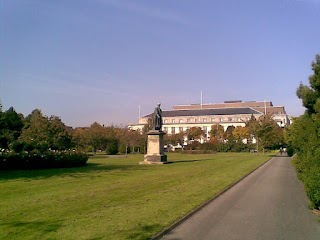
pixel 180 129
pixel 195 120
pixel 229 119
pixel 180 121
pixel 204 120
pixel 188 120
pixel 212 119
pixel 221 119
pixel 239 119
pixel 173 130
pixel 165 129
pixel 173 121
pixel 166 121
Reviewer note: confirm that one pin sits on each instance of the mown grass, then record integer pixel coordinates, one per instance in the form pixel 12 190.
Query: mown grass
pixel 113 198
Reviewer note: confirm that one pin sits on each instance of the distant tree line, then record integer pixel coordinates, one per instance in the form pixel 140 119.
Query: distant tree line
pixel 265 130
pixel 303 136
pixel 40 133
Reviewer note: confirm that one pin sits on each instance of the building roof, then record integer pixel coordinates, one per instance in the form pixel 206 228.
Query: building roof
pixel 207 112
pixel 226 104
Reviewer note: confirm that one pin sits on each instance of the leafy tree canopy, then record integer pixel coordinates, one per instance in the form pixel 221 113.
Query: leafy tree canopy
pixel 217 132
pixel 194 133
pixel 310 96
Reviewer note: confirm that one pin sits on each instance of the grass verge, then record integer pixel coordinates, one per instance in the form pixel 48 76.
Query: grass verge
pixel 114 198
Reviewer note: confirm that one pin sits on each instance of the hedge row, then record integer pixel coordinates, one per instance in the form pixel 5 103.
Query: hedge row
pixel 308 168
pixel 39 160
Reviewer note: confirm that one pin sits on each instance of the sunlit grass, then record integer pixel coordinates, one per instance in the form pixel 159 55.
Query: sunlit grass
pixel 113 198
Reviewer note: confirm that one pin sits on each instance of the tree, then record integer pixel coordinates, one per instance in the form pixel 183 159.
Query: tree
pixel 303 136
pixel 35 132
pixel 59 135
pixel 177 138
pixel 252 125
pixel 229 134
pixel 97 137
pixel 130 138
pixel 80 138
pixel 43 133
pixel 11 124
pixel 310 96
pixel 217 132
pixel 269 133
pixel 241 133
pixel 194 133
pixel 112 146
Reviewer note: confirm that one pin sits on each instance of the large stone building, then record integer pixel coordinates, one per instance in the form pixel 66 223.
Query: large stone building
pixel 229 113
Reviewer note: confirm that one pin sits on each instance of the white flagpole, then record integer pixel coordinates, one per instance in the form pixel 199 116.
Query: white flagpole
pixel 139 112
pixel 201 99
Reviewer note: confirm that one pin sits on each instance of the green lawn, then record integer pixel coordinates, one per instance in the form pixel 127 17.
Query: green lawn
pixel 113 198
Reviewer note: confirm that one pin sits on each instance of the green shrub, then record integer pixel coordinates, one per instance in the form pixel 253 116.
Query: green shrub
pixel 112 147
pixel 308 168
pixel 38 160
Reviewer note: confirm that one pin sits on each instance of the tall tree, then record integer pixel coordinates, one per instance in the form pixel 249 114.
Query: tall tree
pixel 241 133
pixel 11 124
pixel 97 136
pixel 35 133
pixel 310 96
pixel 217 132
pixel 177 138
pixel 43 133
pixel 59 135
pixel 80 138
pixel 194 133
pixel 229 134
pixel 270 134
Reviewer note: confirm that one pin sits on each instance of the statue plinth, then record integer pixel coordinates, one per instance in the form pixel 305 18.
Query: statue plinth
pixel 155 149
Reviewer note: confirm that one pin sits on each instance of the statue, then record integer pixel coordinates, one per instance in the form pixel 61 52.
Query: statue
pixel 157 118
pixel 155 148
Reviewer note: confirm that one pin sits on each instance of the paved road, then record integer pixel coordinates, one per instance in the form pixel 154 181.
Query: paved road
pixel 269 204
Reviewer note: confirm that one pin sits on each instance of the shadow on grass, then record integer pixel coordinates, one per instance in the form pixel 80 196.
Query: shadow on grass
pixel 188 161
pixel 76 172
pixel 144 232
pixel 80 172
pixel 41 227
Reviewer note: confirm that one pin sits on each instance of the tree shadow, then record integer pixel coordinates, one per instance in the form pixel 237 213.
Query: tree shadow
pixel 189 161
pixel 41 227
pixel 76 172
pixel 144 232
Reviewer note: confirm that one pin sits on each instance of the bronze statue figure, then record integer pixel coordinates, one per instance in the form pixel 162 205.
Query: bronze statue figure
pixel 157 118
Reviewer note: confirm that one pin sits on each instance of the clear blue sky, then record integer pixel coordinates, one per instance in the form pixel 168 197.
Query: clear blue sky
pixel 98 60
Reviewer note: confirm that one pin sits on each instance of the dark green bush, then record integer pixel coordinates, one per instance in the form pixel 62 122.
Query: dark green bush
pixel 39 160
pixel 112 147
pixel 308 168
pixel 290 151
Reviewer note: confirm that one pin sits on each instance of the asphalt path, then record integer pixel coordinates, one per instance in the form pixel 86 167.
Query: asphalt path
pixel 268 204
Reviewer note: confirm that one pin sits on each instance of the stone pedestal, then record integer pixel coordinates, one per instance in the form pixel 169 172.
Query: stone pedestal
pixel 155 152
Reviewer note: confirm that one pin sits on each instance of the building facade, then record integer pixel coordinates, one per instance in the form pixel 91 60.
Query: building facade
pixel 229 113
